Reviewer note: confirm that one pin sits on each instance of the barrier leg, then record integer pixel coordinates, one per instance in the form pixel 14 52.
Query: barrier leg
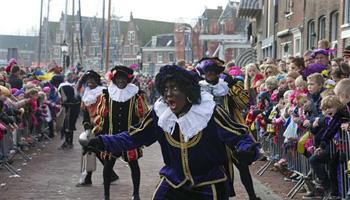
pixel 262 167
pixel 24 155
pixel 297 187
pixel 9 168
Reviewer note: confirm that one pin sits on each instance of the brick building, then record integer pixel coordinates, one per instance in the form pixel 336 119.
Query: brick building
pixel 344 23
pixel 290 23
pixel 297 25
pixel 160 50
pixel 321 22
pixel 23 48
pixel 222 33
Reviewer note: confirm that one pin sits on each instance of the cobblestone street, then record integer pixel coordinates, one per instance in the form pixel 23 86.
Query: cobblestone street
pixel 53 173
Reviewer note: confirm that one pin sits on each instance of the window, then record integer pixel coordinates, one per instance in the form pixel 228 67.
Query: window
pixel 126 50
pixel 131 36
pixel 285 49
pixel 311 35
pixel 95 37
pixel 159 58
pixel 297 44
pixel 58 38
pixel 154 41
pixel 171 57
pixel 289 7
pixel 334 26
pixel 149 58
pixel 322 28
pixel 346 13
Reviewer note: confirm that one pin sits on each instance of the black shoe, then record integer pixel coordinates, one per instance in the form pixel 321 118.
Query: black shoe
pixel 135 197
pixel 64 146
pixel 84 184
pixel 114 178
pixel 70 146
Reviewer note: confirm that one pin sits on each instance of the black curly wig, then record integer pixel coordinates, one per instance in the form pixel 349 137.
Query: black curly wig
pixel 186 80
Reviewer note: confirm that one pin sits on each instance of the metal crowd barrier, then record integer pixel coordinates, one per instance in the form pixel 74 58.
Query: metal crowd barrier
pixel 11 144
pixel 300 164
pixel 273 149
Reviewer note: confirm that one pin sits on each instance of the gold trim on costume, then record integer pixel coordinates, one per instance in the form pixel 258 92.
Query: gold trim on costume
pixel 110 116
pixel 184 158
pixel 130 113
pixel 193 142
pixel 223 113
pixel 173 185
pixel 215 195
pixel 212 181
pixel 158 186
pixel 141 127
pixel 226 128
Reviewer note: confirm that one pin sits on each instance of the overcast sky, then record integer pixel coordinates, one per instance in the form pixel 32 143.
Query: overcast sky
pixel 21 17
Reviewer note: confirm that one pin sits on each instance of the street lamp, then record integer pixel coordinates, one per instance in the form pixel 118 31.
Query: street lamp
pixel 64 50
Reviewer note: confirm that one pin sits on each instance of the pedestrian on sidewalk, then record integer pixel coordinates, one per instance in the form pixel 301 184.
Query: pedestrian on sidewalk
pixel 193 133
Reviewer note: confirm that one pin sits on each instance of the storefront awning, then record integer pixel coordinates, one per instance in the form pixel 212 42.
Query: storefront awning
pixel 249 8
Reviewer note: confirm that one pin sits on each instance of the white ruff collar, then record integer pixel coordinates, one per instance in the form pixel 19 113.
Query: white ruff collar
pixel 90 96
pixel 218 90
pixel 190 124
pixel 122 95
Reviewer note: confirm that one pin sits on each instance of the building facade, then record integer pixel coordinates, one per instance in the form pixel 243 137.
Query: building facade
pixel 22 48
pixel 282 28
pixel 159 51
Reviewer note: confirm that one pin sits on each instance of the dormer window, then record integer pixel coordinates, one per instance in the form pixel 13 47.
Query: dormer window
pixel 131 37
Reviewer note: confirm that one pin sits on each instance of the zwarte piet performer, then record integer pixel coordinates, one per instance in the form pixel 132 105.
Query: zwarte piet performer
pixel 193 133
pixel 125 106
pixel 229 93
pixel 93 106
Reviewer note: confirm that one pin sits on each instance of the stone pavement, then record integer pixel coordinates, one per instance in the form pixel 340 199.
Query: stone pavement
pixel 53 173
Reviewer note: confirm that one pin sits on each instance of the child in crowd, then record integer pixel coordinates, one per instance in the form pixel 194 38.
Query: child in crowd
pixel 315 87
pixel 297 65
pixel 252 76
pixel 291 76
pixel 301 85
pixel 325 133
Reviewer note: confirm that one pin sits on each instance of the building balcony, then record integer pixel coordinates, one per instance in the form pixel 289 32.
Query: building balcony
pixel 249 8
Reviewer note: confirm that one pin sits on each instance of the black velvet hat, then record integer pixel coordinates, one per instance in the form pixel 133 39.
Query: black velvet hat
pixel 121 68
pixel 188 81
pixel 211 64
pixel 94 75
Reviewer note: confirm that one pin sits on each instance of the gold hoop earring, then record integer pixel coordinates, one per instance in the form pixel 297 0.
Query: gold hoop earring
pixel 189 100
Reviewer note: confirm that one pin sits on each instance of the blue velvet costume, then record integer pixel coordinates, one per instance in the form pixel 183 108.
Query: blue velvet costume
pixel 196 165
